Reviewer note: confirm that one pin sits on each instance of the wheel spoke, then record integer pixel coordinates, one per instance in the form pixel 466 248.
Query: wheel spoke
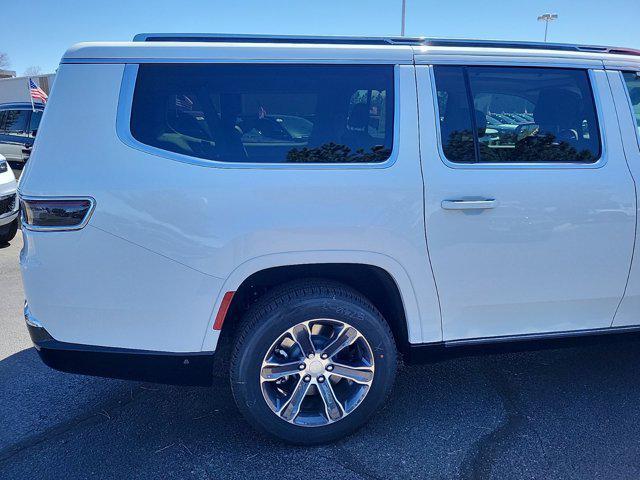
pixel 275 371
pixel 331 404
pixel 346 338
pixel 357 374
pixel 302 336
pixel 292 407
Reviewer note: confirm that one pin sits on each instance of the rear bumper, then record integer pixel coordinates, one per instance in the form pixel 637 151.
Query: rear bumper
pixel 123 363
pixel 8 218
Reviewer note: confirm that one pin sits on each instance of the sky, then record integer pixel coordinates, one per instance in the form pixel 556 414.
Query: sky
pixel 44 29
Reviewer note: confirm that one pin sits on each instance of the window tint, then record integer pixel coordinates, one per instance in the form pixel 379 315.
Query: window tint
pixel 520 114
pixel 34 123
pixel 632 80
pixel 16 121
pixel 3 120
pixel 266 113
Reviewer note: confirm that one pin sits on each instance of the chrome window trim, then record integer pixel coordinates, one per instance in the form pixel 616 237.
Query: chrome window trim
pixel 80 226
pixel 601 162
pixel 628 96
pixel 123 130
pixel 505 60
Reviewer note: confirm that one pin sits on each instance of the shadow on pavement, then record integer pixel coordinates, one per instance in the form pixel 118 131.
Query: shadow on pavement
pixel 571 413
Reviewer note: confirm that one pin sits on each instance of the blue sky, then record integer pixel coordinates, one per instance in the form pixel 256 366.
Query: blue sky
pixel 44 29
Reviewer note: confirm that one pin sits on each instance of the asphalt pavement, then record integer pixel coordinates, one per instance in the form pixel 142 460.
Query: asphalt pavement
pixel 557 414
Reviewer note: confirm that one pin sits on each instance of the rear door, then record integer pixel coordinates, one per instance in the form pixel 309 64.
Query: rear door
pixel 626 90
pixel 14 136
pixel 530 207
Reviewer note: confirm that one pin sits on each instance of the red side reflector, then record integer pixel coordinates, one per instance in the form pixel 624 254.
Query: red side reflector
pixel 222 312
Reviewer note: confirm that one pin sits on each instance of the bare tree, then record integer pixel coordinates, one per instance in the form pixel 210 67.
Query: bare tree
pixel 32 71
pixel 4 60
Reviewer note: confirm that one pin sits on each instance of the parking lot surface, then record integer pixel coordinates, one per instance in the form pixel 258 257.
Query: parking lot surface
pixel 556 414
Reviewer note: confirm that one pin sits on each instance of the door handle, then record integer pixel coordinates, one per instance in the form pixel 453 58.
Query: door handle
pixel 484 204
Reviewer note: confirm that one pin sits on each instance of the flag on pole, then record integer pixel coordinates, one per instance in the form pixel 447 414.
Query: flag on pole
pixel 36 92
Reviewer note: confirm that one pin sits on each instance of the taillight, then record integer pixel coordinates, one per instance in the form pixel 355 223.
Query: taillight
pixel 56 213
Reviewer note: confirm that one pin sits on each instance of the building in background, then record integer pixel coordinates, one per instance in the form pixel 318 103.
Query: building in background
pixel 16 89
pixel 7 73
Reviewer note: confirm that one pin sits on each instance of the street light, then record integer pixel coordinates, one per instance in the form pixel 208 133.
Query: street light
pixel 404 10
pixel 546 18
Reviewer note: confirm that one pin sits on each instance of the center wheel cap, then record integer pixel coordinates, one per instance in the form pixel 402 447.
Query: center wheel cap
pixel 316 367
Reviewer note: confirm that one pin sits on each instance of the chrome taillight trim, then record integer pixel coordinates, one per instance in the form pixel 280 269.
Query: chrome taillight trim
pixel 36 228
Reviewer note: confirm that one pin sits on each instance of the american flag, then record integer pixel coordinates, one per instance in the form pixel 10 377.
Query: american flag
pixel 36 92
pixel 183 102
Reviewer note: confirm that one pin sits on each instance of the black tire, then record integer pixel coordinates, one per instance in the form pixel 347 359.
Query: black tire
pixel 8 232
pixel 285 307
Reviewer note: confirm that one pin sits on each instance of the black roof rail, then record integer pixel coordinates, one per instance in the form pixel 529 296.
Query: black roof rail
pixel 567 47
pixel 350 40
pixel 241 38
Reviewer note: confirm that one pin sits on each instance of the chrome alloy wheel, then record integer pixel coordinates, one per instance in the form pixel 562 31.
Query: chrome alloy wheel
pixel 317 372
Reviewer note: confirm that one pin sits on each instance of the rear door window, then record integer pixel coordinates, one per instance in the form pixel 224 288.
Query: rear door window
pixel 517 115
pixel 266 113
pixel 456 124
pixel 16 121
pixel 632 81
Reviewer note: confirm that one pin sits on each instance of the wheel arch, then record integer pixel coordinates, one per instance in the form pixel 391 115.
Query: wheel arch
pixel 380 278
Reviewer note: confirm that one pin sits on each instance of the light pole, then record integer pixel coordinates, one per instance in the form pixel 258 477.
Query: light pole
pixel 546 18
pixel 404 11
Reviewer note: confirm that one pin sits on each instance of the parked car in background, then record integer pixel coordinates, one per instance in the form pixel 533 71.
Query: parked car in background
pixel 297 127
pixel 403 217
pixel 8 203
pixel 19 124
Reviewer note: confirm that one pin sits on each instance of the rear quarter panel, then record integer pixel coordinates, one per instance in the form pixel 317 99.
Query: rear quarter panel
pixel 168 238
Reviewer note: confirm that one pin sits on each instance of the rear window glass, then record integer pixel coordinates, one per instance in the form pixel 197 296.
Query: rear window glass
pixel 266 113
pixel 34 123
pixel 516 114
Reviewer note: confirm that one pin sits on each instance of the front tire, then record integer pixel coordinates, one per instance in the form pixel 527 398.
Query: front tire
pixel 312 362
pixel 8 232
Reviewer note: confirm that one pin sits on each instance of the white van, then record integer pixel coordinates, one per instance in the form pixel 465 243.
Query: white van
pixel 321 205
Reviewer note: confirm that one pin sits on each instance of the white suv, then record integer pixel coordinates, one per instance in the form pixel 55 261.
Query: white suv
pixel 8 203
pixel 321 204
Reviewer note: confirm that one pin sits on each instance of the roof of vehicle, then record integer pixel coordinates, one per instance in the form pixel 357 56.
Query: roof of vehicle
pixel 166 47
pixel 22 105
